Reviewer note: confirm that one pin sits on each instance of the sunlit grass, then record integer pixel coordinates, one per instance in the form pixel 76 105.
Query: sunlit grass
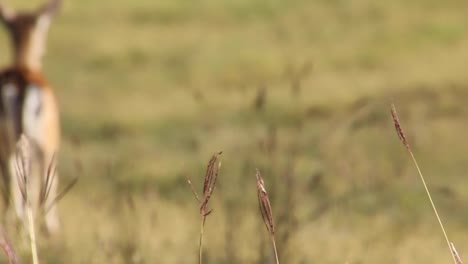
pixel 148 89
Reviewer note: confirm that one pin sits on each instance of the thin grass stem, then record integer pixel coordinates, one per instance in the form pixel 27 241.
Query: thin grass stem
pixel 433 206
pixel 200 246
pixel 455 254
pixel 274 248
pixel 403 139
pixel 32 236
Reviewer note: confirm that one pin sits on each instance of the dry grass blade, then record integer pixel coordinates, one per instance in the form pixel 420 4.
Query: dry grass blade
pixel 7 248
pixel 209 184
pixel 23 166
pixel 265 210
pixel 61 194
pixel 49 180
pixel 405 142
pixel 192 188
pixel 47 186
pixel 455 254
pixel 22 179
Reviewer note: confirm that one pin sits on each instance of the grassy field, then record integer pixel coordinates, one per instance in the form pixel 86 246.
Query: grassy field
pixel 149 90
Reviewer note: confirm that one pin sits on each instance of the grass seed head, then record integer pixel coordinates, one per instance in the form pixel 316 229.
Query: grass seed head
pixel 398 128
pixel 264 203
pixel 211 176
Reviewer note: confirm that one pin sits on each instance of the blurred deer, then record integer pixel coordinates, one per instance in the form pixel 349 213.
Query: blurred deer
pixel 28 107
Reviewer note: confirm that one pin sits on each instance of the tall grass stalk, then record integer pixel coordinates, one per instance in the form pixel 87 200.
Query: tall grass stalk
pixel 265 210
pixel 209 184
pixel 405 142
pixel 200 245
pixel 272 237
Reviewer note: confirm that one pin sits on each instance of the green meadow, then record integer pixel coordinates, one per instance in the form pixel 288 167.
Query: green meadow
pixel 301 90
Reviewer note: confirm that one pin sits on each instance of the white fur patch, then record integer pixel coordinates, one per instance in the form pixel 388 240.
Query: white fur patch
pixel 32 113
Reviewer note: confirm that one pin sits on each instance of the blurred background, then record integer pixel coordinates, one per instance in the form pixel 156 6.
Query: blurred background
pixel 300 89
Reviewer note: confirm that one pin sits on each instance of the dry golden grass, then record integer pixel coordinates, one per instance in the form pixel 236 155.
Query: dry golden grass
pixel 148 89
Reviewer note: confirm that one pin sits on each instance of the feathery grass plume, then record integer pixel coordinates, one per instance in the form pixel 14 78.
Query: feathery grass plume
pixel 405 142
pixel 7 248
pixel 455 254
pixel 265 210
pixel 209 184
